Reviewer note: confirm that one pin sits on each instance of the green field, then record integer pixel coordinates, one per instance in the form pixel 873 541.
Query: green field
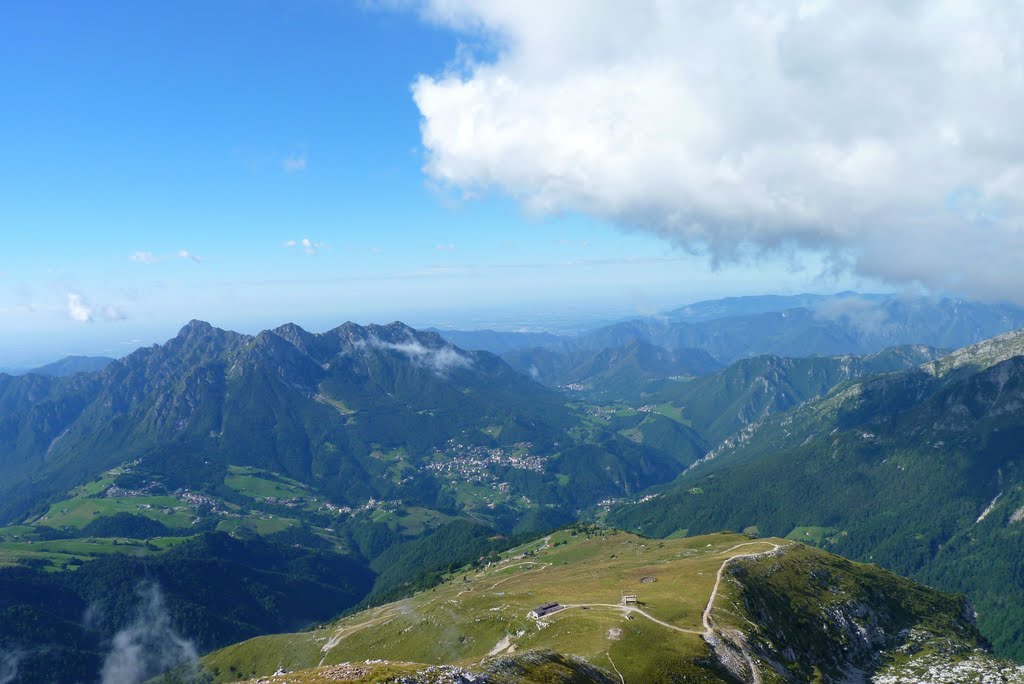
pixel 673 412
pixel 79 511
pixel 811 535
pixel 258 484
pixel 262 525
pixel 412 521
pixel 66 554
pixel 97 486
pixel 15 532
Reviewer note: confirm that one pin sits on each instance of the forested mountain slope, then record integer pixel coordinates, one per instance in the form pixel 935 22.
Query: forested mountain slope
pixel 919 471
pixel 312 407
pixel 611 373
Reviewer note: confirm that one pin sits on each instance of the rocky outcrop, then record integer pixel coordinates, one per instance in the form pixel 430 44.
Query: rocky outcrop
pixel 817 615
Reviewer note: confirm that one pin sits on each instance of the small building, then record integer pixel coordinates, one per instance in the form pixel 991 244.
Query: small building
pixel 544 609
pixel 628 599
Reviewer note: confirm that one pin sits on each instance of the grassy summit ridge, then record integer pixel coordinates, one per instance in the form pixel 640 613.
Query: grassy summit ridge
pixel 780 611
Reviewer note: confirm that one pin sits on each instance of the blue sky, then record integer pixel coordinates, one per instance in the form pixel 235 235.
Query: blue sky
pixel 159 160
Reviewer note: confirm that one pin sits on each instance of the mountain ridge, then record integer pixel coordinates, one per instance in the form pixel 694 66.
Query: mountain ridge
pixel 787 325
pixel 718 608
pixel 839 469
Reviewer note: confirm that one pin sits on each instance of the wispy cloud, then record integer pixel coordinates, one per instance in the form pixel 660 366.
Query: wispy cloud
pixel 144 257
pixel 295 164
pixel 185 254
pixel 308 246
pixel 439 359
pixel 450 247
pixel 79 310
pixel 112 313
pixel 376 250
pixel 149 645
pixel 9 662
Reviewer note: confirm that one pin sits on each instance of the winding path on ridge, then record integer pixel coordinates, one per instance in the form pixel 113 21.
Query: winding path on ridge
pixel 705 618
pixel 709 631
pixel 348 630
pixel 504 565
pixel 707 622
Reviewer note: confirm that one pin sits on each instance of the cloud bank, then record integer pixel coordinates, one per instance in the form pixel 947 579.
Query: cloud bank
pixel 885 135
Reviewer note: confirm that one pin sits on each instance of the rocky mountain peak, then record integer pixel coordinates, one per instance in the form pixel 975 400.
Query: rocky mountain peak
pixel 296 335
pixel 397 331
pixel 195 327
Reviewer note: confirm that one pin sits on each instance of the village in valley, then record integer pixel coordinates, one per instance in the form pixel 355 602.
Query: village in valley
pixel 481 464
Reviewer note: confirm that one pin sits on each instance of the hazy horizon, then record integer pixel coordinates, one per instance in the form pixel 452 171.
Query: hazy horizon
pixel 560 318
pixel 463 163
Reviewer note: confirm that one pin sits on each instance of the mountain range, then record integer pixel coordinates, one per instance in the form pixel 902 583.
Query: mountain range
pixel 356 412
pixel 798 325
pixel 342 470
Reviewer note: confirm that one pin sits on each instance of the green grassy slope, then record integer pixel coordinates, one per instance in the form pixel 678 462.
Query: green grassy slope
pixel 478 617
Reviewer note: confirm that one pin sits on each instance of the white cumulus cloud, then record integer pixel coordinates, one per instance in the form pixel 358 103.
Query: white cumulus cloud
pixel 78 310
pixel 308 246
pixel 884 134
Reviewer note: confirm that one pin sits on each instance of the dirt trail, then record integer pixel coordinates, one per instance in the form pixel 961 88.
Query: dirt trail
pixel 349 630
pixel 539 566
pixel 705 617
pixel 709 632
pixel 755 671
pixel 542 566
pixel 628 610
pixel 621 678
pixel 708 622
